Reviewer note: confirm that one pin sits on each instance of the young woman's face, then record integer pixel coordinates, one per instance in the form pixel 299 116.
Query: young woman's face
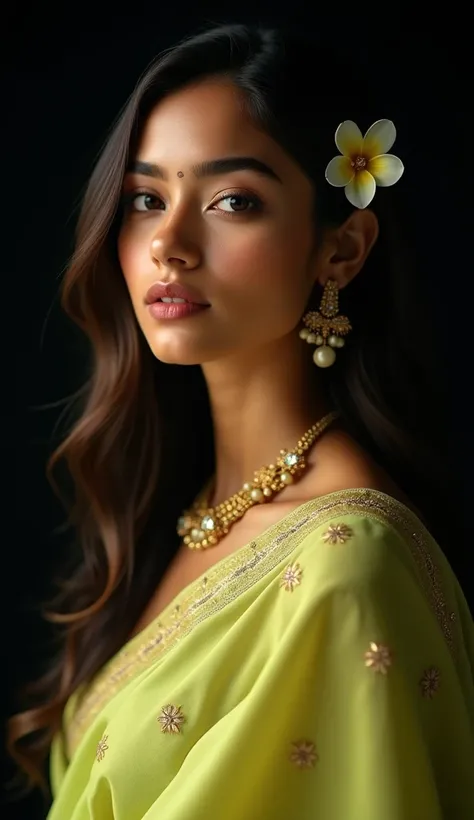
pixel 240 240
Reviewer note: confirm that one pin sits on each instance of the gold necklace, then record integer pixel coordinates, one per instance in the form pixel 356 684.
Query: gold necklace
pixel 203 526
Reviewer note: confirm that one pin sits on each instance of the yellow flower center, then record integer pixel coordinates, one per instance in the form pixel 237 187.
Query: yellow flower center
pixel 359 163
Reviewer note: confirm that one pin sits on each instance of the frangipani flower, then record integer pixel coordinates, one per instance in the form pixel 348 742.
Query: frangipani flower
pixel 364 162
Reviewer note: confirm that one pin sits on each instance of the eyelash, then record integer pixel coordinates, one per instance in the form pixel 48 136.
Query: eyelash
pixel 129 199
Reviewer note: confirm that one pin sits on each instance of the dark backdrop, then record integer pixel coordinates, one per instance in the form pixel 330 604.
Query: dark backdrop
pixel 65 74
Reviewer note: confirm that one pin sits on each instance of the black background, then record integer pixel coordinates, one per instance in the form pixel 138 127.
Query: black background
pixel 65 74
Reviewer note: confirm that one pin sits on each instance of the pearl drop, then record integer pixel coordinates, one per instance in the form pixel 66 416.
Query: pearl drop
pixel 324 356
pixel 267 492
pixel 333 341
pixel 311 338
pixel 340 341
pixel 287 478
pixel 257 495
pixel 304 333
pixel 319 339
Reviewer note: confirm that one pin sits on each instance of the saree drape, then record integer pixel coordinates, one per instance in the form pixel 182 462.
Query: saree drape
pixel 325 670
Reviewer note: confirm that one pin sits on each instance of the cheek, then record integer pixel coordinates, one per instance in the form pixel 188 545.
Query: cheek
pixel 265 261
pixel 134 261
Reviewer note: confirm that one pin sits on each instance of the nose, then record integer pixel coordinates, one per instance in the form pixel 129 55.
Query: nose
pixel 170 248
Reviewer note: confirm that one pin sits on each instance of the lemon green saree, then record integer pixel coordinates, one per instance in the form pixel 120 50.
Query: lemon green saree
pixel 325 670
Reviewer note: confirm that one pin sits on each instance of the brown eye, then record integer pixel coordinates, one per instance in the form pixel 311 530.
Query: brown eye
pixel 142 202
pixel 238 203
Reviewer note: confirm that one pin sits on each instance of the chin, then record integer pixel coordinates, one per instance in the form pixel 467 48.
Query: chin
pixel 182 360
pixel 176 354
pixel 174 348
pixel 174 358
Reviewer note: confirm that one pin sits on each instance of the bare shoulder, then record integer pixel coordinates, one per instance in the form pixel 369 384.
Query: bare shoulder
pixel 339 463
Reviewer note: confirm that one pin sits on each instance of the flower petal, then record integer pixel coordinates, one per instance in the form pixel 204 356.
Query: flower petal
pixel 361 190
pixel 386 169
pixel 339 172
pixel 349 139
pixel 379 138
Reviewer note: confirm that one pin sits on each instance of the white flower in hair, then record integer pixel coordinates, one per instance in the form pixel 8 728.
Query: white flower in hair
pixel 364 162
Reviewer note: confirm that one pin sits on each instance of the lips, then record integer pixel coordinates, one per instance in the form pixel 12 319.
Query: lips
pixel 173 291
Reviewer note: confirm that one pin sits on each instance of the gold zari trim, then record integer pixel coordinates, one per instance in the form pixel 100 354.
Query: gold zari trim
pixel 233 575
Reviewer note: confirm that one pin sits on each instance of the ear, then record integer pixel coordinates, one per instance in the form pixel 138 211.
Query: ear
pixel 344 250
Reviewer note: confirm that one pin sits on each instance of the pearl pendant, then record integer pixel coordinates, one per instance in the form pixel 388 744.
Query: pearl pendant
pixel 257 495
pixel 324 356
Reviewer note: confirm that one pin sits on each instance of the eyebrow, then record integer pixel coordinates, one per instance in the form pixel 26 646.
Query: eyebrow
pixel 209 168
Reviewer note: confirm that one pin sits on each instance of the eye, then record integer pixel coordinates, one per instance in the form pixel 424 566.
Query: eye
pixel 238 203
pixel 141 201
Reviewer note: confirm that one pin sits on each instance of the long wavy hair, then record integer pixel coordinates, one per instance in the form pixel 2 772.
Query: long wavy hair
pixel 131 427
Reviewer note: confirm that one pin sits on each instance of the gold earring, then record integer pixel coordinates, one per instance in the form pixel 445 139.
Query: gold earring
pixel 325 328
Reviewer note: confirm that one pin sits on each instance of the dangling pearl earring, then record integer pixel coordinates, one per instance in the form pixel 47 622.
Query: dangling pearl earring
pixel 325 328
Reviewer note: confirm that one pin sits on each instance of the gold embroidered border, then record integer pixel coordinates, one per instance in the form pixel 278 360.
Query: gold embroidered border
pixel 233 575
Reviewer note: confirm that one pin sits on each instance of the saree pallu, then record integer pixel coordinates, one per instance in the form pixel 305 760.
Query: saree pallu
pixel 325 670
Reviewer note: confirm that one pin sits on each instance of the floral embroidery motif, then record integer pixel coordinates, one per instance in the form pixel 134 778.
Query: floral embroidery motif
pixel 291 577
pixel 102 748
pixel 171 719
pixel 235 574
pixel 429 682
pixel 337 534
pixel 304 754
pixel 378 657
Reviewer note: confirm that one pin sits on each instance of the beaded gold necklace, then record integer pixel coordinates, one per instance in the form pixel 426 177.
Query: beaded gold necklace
pixel 202 526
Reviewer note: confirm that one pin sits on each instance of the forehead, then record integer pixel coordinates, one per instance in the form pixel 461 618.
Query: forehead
pixel 204 121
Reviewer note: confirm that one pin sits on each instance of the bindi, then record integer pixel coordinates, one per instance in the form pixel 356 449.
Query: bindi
pixel 180 174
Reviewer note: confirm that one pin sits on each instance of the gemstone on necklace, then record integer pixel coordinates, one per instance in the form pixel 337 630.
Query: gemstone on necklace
pixel 207 523
pixel 203 526
pixel 183 525
pixel 291 459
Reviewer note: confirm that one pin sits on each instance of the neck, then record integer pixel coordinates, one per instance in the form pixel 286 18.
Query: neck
pixel 260 404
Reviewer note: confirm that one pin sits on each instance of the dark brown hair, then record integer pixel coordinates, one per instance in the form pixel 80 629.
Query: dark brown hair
pixel 133 420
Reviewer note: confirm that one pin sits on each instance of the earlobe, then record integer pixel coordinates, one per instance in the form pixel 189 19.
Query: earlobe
pixel 346 248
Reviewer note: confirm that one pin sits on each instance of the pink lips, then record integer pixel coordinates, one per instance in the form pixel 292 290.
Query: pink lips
pixel 174 291
pixel 175 310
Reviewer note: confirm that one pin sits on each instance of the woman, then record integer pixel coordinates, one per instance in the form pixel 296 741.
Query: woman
pixel 263 624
